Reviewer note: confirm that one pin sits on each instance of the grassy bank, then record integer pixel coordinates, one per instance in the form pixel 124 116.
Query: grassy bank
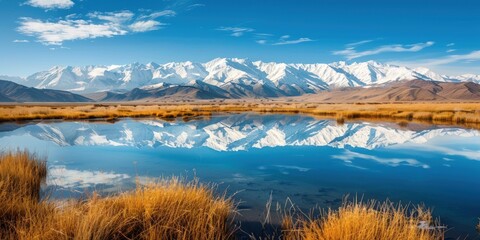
pixel 462 114
pixel 164 210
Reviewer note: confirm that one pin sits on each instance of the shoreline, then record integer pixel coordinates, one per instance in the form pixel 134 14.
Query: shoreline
pixel 465 114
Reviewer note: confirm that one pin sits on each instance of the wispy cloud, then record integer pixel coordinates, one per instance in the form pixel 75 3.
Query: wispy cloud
pixel 236 31
pixel 351 53
pixel 450 44
pixel 444 60
pixel 20 41
pixel 285 40
pixel 264 38
pixel 263 35
pixel 270 39
pixel 96 25
pixel 164 13
pixel 113 17
pixel 451 50
pixel 193 6
pixel 51 4
pixel 353 44
pixel 145 26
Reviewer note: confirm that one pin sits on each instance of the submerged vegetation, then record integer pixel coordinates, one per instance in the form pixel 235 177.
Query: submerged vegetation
pixel 464 114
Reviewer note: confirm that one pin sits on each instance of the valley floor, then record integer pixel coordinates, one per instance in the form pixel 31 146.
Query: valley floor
pixel 465 114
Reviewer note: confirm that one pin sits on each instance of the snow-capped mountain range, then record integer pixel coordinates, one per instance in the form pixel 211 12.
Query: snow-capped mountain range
pixel 231 133
pixel 238 77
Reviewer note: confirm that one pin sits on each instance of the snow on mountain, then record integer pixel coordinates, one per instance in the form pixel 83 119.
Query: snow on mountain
pixel 239 77
pixel 468 78
pixel 232 133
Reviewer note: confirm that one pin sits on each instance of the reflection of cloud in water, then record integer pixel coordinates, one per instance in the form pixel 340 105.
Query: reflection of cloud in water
pixel 466 153
pixel 349 156
pixel 238 177
pixel 449 151
pixel 288 167
pixel 70 178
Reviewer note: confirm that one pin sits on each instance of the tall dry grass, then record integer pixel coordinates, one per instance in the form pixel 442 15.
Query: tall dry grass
pixel 21 176
pixel 170 209
pixel 22 173
pixel 360 221
pixel 464 114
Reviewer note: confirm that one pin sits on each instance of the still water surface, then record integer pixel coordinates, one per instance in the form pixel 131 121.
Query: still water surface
pixel 312 162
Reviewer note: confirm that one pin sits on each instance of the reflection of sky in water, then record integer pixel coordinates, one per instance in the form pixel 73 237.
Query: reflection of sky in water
pixel 310 161
pixel 70 178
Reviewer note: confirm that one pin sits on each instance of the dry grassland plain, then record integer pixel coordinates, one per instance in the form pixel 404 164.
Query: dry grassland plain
pixel 460 114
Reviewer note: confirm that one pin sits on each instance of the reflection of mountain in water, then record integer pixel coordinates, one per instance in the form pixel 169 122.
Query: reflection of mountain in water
pixel 232 133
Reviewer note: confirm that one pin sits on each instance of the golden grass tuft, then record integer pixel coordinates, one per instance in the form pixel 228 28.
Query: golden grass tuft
pixel 359 221
pixel 21 176
pixel 22 173
pixel 169 209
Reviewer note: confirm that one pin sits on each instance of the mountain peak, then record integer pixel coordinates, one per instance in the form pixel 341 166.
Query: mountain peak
pixel 239 75
pixel 152 65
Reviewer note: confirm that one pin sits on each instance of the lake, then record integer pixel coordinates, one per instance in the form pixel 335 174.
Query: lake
pixel 313 162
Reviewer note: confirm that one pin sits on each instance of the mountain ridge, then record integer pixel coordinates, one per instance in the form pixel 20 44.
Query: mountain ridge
pixel 234 75
pixel 13 92
pixel 401 91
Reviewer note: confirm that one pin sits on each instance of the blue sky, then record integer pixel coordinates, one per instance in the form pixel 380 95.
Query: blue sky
pixel 37 34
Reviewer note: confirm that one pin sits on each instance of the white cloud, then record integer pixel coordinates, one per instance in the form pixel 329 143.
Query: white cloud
pixel 350 52
pixel 164 13
pixel 145 26
pixel 20 41
pixel 97 24
pixel 114 17
pixel 51 4
pixel 444 60
pixel 297 41
pixel 451 50
pixel 55 33
pixel 236 31
pixel 358 43
pixel 472 56
pixel 450 44
pixel 193 6
pixel 261 41
pixel 285 37
pixel 263 34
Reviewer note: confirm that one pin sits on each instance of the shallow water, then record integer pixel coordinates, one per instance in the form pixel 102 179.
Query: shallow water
pixel 312 162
